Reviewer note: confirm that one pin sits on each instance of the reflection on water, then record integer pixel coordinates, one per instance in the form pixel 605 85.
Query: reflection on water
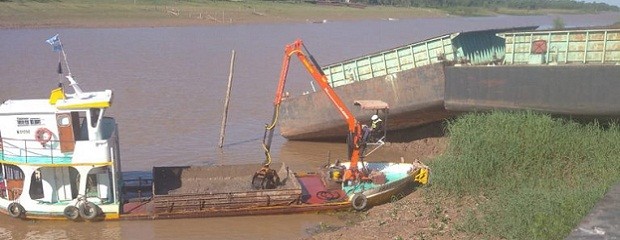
pixel 251 227
pixel 17 229
pixel 169 86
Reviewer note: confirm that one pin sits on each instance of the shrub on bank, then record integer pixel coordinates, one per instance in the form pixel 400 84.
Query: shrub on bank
pixel 536 176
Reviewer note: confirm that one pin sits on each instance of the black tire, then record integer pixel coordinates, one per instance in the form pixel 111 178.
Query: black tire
pixel 15 210
pixel 89 211
pixel 257 181
pixel 359 202
pixel 72 213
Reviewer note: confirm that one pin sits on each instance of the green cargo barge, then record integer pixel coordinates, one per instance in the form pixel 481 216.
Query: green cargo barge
pixel 569 72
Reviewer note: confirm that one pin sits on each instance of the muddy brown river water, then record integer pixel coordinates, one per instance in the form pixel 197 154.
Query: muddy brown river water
pixel 169 85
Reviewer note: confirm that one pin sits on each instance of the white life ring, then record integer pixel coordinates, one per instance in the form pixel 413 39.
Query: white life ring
pixel 15 210
pixel 359 201
pixel 43 135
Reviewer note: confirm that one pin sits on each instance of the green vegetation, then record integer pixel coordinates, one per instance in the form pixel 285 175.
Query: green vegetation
pixel 143 13
pixel 492 4
pixel 534 177
pixel 155 13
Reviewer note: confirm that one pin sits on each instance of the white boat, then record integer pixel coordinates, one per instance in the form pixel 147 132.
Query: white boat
pixel 59 157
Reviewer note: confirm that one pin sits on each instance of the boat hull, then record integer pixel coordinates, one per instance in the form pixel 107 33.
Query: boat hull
pixel 392 182
pixel 570 90
pixel 415 98
pixel 433 93
pixel 217 191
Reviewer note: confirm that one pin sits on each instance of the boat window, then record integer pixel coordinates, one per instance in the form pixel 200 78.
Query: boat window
pixel 99 184
pixel 36 185
pixel 75 184
pixel 22 122
pixel 12 182
pixel 81 128
pixel 94 116
pixel 76 125
pixel 54 184
pixel 91 186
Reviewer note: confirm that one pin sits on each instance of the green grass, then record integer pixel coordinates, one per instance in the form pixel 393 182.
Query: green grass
pixel 157 13
pixel 126 13
pixel 535 176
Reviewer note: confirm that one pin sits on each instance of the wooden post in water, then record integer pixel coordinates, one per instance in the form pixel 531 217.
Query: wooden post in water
pixel 227 100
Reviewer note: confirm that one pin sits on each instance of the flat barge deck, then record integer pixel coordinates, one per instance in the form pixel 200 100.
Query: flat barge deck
pixel 215 191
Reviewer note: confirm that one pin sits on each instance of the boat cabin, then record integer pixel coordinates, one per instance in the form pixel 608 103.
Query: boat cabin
pixel 57 153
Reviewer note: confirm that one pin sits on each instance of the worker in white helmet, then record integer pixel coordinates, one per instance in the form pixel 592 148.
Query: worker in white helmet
pixel 376 122
pixel 376 128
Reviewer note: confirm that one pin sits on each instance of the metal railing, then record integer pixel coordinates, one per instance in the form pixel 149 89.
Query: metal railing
pixel 26 151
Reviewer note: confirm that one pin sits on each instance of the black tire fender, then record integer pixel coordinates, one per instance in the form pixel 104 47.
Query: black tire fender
pixel 359 201
pixel 89 210
pixel 15 210
pixel 72 213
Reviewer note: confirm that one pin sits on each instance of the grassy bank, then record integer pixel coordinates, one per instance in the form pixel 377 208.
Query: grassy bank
pixel 129 13
pixel 162 13
pixel 533 176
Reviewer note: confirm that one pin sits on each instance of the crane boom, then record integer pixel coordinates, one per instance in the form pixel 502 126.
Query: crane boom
pixel 354 128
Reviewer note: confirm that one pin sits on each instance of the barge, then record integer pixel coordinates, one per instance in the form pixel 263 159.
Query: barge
pixel 218 191
pixel 561 72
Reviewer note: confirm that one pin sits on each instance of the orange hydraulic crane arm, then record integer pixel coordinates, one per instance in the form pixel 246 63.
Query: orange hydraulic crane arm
pixel 311 66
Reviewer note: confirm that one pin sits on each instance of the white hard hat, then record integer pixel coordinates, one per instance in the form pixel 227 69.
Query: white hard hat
pixel 374 117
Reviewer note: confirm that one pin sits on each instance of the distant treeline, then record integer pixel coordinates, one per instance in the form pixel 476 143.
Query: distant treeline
pixel 518 4
pixel 442 4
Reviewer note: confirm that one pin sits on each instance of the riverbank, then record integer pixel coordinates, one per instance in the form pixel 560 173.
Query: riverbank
pixel 500 175
pixel 129 13
pixel 414 216
pixel 121 14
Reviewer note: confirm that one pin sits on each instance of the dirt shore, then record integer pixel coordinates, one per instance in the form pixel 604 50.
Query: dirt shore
pixel 415 216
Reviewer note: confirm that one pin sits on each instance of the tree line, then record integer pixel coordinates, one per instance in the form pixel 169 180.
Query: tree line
pixel 517 4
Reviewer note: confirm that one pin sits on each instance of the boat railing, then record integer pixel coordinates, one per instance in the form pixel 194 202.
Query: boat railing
pixel 391 61
pixel 28 151
pixel 137 187
pixel 563 46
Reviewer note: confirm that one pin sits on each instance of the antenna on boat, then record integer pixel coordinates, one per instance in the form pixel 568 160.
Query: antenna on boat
pixel 62 55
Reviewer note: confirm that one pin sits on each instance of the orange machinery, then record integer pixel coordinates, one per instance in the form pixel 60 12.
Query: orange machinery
pixel 354 138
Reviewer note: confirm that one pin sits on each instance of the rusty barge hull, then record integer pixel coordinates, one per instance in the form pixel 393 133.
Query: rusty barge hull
pixel 435 92
pixel 415 97
pixel 569 90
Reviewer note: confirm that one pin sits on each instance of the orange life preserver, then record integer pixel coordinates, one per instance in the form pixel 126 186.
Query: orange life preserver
pixel 43 135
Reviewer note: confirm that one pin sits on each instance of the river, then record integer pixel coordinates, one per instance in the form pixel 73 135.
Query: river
pixel 169 84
